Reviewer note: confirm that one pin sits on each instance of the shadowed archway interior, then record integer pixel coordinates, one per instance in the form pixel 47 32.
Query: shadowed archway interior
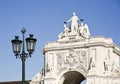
pixel 73 77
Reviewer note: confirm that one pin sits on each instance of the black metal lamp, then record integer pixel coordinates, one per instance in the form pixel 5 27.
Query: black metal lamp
pixel 30 43
pixel 18 45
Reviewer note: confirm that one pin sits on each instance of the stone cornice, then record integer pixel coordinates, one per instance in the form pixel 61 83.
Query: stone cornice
pixel 82 43
pixel 110 76
pixel 115 48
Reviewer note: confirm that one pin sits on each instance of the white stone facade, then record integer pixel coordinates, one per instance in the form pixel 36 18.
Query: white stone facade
pixel 76 56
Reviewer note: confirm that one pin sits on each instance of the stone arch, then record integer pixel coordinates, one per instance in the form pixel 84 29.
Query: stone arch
pixel 71 77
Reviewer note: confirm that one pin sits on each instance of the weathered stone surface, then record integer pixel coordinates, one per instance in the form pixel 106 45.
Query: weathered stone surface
pixel 76 56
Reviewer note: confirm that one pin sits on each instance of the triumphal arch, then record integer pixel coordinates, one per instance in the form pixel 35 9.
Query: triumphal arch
pixel 77 56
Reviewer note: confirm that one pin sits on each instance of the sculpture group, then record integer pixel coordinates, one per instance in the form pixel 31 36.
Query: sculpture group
pixel 75 30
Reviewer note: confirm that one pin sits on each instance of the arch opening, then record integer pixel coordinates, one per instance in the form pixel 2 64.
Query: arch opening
pixel 72 77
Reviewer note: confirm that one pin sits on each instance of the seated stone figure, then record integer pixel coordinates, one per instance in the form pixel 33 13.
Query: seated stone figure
pixel 84 31
pixel 65 33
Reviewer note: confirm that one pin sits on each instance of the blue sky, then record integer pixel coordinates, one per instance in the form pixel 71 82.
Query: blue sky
pixel 44 19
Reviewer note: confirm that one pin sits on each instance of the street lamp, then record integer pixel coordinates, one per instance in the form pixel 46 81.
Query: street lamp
pixel 20 44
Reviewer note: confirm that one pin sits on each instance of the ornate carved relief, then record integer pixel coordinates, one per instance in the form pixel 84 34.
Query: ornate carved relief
pixel 71 59
pixel 115 70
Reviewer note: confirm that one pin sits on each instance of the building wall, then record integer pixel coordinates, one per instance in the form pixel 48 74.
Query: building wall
pixel 14 82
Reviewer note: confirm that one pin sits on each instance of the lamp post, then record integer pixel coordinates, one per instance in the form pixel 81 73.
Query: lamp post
pixel 19 45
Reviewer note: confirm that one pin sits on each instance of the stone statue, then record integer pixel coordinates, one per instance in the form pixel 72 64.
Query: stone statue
pixel 47 68
pixel 85 31
pixel 107 64
pixel 74 22
pixel 60 36
pixel 65 33
pixel 92 64
pixel 66 30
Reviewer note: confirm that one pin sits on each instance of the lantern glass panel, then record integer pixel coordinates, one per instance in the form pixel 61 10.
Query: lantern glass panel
pixel 16 43
pixel 30 43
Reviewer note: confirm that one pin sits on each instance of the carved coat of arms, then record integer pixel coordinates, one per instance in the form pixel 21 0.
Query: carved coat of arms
pixel 72 58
